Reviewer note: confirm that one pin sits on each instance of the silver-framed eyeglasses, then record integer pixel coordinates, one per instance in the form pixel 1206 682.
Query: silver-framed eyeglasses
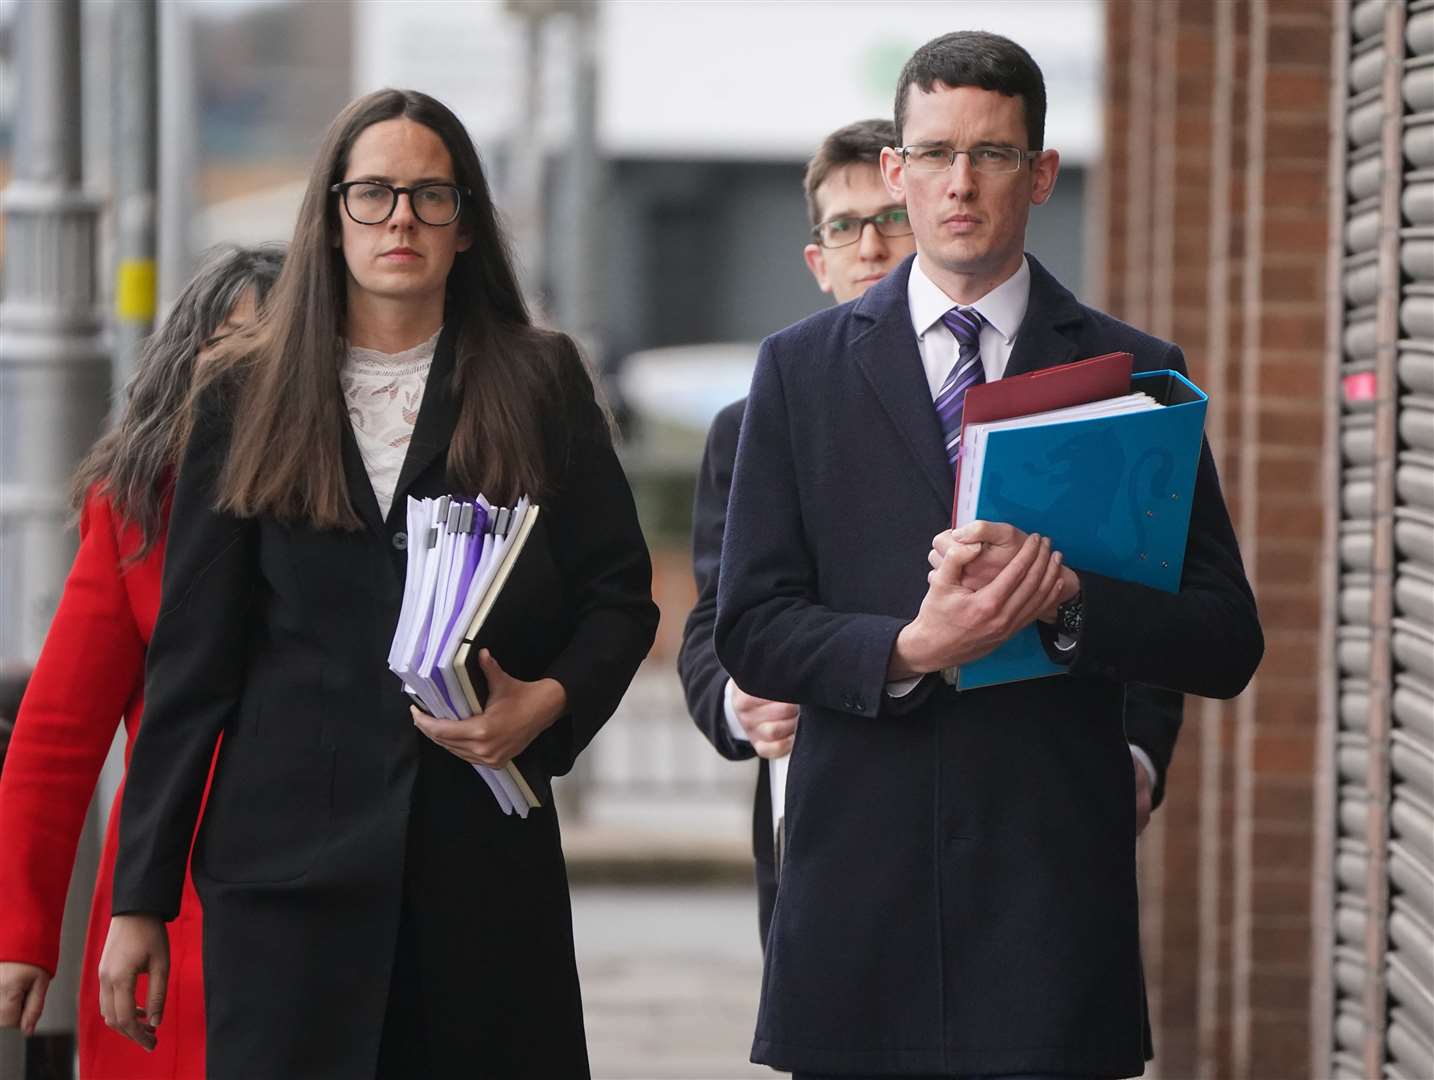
pixel 372 202
pixel 843 231
pixel 986 158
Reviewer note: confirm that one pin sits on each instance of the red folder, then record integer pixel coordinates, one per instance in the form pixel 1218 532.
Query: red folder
pixel 1057 387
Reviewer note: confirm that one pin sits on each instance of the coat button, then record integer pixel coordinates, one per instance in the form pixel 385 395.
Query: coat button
pixel 400 540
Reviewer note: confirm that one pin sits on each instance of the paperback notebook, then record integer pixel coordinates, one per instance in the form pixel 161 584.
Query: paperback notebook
pixel 462 663
pixel 1108 480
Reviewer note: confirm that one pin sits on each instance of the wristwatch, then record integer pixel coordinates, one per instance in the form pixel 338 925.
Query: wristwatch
pixel 1070 616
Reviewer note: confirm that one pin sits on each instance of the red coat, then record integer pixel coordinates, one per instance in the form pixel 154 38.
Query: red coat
pixel 89 675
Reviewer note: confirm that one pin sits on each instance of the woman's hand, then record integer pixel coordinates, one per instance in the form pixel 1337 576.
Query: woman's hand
pixel 516 714
pixel 22 995
pixel 136 944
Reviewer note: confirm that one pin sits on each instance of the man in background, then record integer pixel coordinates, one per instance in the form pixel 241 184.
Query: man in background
pixel 860 233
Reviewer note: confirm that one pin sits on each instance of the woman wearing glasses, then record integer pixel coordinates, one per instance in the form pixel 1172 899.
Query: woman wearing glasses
pixel 369 911
pixel 89 678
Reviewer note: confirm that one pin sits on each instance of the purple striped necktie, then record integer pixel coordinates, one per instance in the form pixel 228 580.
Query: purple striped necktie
pixel 965 325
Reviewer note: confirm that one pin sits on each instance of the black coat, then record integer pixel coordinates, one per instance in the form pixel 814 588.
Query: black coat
pixel 958 891
pixel 329 811
pixel 1152 715
pixel 704 682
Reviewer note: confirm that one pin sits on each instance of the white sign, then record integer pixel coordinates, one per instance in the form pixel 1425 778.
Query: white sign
pixel 720 78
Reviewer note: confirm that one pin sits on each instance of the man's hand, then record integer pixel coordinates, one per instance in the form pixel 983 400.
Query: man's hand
pixel 999 544
pixel 959 622
pixel 22 995
pixel 516 714
pixel 137 944
pixel 1144 795
pixel 770 725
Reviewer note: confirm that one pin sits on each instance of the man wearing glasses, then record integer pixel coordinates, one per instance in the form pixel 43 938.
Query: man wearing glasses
pixel 958 893
pixel 859 233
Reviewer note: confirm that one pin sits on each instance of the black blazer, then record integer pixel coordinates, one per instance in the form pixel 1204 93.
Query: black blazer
pixel 329 811
pixel 704 682
pixel 958 890
pixel 1152 715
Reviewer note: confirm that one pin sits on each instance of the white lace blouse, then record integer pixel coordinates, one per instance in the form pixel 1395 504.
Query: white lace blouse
pixel 383 392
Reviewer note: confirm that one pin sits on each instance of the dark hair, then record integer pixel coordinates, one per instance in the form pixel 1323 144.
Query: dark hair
pixel 285 457
pixel 860 143
pixel 976 58
pixel 133 461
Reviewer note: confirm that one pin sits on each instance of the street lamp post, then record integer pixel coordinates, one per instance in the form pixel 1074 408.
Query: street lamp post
pixel 54 369
pixel 54 381
pixel 136 168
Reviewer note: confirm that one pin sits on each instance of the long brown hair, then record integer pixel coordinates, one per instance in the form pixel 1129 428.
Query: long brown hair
pixel 132 462
pixel 285 458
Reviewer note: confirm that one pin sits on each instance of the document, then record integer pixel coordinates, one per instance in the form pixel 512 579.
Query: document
pixel 460 555
pixel 975 440
pixel 777 774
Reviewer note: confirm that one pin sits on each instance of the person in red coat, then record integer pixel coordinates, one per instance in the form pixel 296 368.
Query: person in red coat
pixel 90 675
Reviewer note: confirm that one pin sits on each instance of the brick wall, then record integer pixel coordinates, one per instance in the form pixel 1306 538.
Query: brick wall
pixel 1213 199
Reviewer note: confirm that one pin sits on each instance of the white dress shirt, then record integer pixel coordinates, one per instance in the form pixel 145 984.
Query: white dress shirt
pixel 1003 308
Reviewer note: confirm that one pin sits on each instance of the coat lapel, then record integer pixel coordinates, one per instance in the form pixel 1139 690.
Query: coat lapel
pixel 433 430
pixel 1047 336
pixel 360 487
pixel 886 352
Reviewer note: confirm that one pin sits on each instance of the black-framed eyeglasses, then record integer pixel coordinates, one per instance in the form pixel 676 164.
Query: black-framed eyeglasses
pixel 986 158
pixel 842 231
pixel 371 202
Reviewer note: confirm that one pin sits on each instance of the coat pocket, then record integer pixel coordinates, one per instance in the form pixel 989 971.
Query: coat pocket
pixel 268 811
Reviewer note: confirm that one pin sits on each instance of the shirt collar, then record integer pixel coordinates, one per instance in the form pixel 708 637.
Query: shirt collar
pixel 1003 307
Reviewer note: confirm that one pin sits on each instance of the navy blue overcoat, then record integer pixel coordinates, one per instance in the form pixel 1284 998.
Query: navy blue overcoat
pixel 959 892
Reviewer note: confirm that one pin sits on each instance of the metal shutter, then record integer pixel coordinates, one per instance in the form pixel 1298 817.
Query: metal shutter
pixel 1360 274
pixel 1410 946
pixel 1382 946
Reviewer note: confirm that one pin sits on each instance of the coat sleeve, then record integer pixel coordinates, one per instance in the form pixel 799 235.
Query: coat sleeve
pixel 1152 722
pixel 772 635
pixel 194 673
pixel 1203 639
pixel 90 668
pixel 704 680
pixel 606 571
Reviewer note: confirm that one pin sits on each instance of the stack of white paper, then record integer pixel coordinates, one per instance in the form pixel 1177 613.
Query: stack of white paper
pixel 459 555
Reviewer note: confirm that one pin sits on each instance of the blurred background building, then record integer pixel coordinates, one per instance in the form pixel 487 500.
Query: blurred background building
pixel 1252 178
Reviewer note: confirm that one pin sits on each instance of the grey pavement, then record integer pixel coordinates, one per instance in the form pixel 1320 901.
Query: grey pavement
pixel 670 979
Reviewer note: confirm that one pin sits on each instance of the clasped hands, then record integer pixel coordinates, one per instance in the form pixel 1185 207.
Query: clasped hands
pixel 517 713
pixel 987 581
